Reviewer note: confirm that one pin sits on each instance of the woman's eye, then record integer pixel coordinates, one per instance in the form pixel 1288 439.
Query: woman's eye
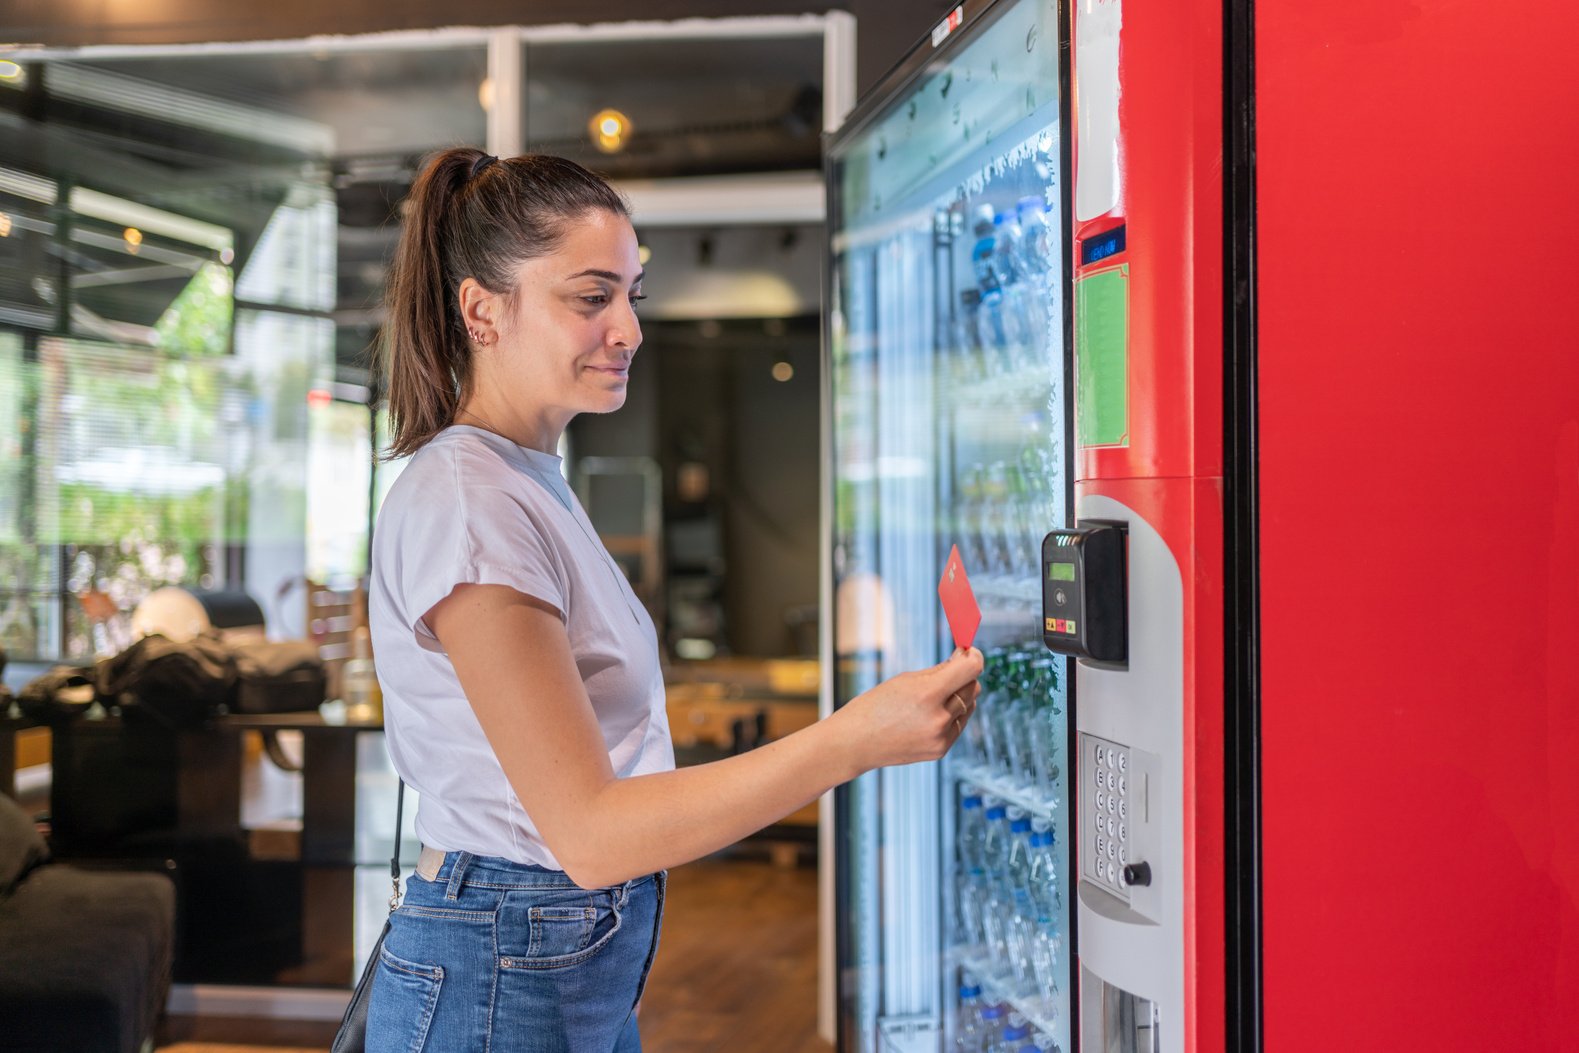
pixel 637 299
pixel 597 300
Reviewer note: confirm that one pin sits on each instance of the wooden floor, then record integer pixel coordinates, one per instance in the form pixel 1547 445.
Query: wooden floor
pixel 737 969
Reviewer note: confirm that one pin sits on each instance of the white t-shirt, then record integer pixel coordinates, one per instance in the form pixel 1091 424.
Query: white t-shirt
pixel 473 507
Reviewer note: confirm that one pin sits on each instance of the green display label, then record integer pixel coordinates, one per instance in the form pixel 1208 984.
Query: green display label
pixel 1102 358
pixel 1060 572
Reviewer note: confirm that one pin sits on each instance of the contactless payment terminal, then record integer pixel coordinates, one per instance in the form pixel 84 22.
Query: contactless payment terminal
pixel 1084 593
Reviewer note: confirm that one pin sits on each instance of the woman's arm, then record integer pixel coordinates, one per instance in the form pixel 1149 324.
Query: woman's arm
pixel 514 662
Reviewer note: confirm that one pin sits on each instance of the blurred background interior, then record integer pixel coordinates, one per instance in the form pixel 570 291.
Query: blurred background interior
pixel 197 211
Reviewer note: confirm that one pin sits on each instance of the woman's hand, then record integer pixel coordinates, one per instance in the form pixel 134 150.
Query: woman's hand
pixel 913 716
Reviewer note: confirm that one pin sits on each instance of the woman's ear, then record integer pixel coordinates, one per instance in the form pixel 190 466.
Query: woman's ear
pixel 478 308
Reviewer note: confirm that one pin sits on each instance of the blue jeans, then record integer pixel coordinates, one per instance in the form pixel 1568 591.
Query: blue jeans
pixel 501 957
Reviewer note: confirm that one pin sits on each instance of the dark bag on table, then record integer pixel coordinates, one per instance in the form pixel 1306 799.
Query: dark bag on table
pixel 179 685
pixel 278 677
pixel 59 696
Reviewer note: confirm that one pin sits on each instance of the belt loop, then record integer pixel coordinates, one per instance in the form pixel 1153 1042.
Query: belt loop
pixel 458 875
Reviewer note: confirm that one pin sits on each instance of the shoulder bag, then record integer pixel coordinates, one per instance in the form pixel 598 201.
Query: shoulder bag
pixel 352 1036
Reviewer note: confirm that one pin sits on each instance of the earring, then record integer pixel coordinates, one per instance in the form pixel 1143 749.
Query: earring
pixel 476 335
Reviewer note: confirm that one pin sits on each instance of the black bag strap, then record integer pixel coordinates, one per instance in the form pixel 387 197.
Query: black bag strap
pixel 394 860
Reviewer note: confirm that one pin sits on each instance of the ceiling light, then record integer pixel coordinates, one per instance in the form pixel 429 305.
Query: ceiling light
pixel 134 239
pixel 227 256
pixel 609 130
pixel 118 210
pixel 643 254
pixel 485 94
pixel 12 73
pixel 782 371
pixel 5 225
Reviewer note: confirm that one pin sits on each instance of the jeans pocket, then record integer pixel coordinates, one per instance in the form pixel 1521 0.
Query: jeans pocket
pixel 405 995
pixel 563 928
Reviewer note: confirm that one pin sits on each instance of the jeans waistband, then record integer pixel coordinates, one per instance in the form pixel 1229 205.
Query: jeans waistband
pixel 456 870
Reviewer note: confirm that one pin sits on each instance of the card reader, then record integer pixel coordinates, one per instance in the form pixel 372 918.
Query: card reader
pixel 1085 593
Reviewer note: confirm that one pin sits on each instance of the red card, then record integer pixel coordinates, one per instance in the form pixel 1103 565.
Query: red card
pixel 959 602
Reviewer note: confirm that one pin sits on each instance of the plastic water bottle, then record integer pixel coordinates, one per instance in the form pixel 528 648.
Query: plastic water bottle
pixel 966 337
pixel 985 259
pixel 1009 246
pixel 971 833
pixel 992 1026
pixel 1019 851
pixel 1022 933
pixel 1039 250
pixel 967 1021
pixel 1045 945
pixel 1014 1035
pixel 1042 880
pixel 995 846
pixel 970 889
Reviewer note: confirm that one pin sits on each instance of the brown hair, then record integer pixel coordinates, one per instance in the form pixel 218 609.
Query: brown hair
pixel 467 216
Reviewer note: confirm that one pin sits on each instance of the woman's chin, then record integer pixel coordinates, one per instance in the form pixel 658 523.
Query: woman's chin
pixel 607 401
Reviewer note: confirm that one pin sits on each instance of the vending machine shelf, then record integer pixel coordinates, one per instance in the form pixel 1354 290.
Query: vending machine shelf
pixel 909 1035
pixel 1010 791
pixel 1034 1007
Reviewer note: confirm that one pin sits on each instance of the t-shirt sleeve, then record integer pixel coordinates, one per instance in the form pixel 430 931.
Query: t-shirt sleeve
pixel 455 531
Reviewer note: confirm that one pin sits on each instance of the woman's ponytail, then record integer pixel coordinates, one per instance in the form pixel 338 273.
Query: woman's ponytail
pixel 466 216
pixel 425 360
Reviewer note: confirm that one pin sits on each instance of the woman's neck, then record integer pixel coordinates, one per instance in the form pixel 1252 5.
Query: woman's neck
pixel 539 432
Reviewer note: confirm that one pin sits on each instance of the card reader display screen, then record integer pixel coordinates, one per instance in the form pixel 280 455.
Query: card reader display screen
pixel 1060 572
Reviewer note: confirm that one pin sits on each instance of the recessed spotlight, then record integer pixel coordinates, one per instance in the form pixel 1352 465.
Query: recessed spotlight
pixel 5 225
pixel 485 94
pixel 782 371
pixel 134 239
pixel 643 254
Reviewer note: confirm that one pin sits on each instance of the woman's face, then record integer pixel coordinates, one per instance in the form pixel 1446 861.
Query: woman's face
pixel 569 340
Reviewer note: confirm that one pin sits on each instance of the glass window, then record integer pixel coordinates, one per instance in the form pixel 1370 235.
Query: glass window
pixel 192 256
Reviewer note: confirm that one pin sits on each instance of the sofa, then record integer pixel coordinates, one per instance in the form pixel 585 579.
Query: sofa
pixel 84 954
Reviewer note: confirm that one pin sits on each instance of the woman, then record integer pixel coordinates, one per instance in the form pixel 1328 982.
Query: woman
pixel 522 689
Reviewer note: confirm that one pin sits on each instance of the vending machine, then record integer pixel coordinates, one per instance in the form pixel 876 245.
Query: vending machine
pixel 1266 469
pixel 1026 362
pixel 949 415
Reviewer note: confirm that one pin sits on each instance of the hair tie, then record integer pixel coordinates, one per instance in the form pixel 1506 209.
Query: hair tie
pixel 482 162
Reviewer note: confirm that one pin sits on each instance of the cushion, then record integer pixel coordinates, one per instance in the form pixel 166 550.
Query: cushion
pixel 21 845
pixel 84 959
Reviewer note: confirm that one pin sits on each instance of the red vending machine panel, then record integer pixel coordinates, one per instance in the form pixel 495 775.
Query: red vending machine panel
pixel 1419 399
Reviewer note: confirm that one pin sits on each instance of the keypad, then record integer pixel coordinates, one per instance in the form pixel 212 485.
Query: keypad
pixel 1106 782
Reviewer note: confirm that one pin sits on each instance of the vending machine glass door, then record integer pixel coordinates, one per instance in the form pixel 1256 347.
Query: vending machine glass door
pixel 949 357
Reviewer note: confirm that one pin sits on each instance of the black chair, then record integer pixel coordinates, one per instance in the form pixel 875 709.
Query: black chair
pixel 84 955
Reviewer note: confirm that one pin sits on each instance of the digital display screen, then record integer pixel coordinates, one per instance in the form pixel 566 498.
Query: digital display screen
pixel 1109 243
pixel 1060 572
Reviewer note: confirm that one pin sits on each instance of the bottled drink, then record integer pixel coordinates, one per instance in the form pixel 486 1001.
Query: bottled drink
pixel 1019 850
pixel 1008 245
pixel 1021 938
pixel 985 259
pixel 359 682
pixel 1039 249
pixel 971 832
pixel 966 337
pixel 970 887
pixel 995 840
pixel 1019 718
pixel 1044 957
pixel 993 676
pixel 1043 878
pixel 992 1021
pixel 1014 1035
pixel 967 1022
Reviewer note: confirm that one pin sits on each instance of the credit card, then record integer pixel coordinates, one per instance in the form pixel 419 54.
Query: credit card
pixel 959 602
